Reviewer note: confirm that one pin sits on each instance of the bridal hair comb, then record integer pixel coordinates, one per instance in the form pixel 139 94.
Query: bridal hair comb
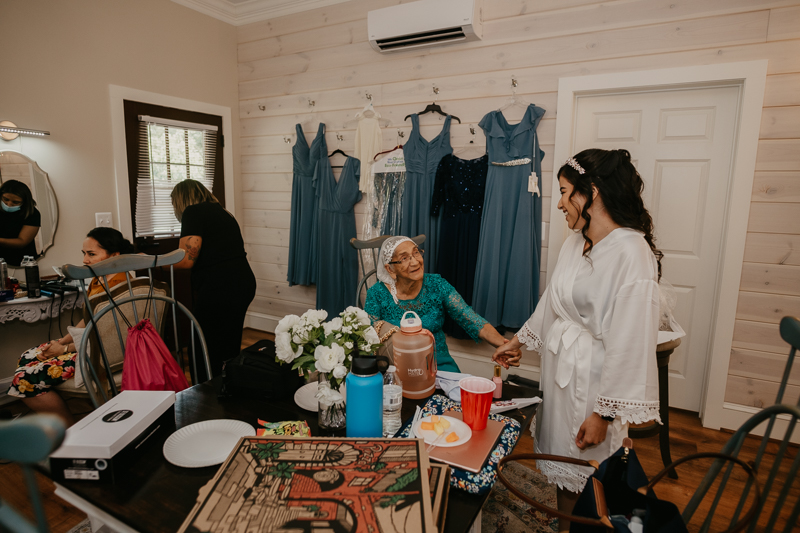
pixel 574 164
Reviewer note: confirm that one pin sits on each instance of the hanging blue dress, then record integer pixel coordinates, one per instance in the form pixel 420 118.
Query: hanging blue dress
pixel 509 254
pixel 422 159
pixel 458 200
pixel 303 225
pixel 337 260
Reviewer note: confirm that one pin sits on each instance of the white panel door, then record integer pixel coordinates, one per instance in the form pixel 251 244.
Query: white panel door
pixel 681 143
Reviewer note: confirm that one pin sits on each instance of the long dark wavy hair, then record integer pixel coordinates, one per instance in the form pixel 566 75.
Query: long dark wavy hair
pixel 620 187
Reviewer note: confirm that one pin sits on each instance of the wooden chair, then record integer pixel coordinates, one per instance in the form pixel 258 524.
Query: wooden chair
pixel 131 298
pixel 368 258
pixel 663 353
pixel 776 466
pixel 28 441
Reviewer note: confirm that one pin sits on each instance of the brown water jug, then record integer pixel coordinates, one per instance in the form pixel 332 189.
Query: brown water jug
pixel 414 357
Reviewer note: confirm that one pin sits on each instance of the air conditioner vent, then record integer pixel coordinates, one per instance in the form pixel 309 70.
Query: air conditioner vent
pixel 423 39
pixel 424 23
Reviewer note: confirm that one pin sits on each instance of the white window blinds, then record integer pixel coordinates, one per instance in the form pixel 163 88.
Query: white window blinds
pixel 169 152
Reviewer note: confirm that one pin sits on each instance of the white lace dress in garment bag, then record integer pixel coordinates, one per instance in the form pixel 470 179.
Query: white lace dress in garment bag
pixel 596 328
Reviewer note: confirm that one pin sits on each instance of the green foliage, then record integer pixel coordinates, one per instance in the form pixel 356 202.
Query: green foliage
pixel 403 481
pixel 391 501
pixel 270 450
pixel 284 470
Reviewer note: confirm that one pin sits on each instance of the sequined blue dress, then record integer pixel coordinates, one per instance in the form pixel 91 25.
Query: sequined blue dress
pixel 303 226
pixel 436 298
pixel 337 260
pixel 422 159
pixel 458 201
pixel 509 254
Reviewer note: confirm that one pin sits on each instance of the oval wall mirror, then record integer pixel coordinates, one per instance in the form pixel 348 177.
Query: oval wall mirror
pixel 16 166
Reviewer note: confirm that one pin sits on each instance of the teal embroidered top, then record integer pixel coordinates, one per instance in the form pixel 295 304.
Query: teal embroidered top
pixel 435 297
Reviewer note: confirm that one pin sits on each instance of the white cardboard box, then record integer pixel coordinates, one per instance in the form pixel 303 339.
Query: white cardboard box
pixel 112 436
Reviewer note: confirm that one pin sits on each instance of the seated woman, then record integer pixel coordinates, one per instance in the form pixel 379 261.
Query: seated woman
pixel 19 222
pixel 52 363
pixel 403 286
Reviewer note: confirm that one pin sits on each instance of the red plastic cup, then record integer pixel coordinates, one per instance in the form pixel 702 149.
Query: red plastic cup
pixel 476 400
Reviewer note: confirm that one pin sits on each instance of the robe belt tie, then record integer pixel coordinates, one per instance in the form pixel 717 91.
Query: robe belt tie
pixel 574 339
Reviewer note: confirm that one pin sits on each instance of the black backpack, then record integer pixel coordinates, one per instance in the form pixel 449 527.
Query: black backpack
pixel 255 373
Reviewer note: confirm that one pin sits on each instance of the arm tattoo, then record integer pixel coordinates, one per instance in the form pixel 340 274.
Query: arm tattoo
pixel 192 249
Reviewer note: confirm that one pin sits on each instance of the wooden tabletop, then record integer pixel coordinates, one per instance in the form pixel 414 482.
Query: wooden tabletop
pixel 157 496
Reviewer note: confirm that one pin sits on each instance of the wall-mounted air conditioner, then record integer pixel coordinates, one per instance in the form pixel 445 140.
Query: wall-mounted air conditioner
pixel 425 23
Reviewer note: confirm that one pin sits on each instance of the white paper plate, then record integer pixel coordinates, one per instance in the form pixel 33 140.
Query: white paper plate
pixel 205 443
pixel 306 396
pixel 460 428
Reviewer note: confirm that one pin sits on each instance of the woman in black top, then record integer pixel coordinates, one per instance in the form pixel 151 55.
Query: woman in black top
pixel 19 222
pixel 222 281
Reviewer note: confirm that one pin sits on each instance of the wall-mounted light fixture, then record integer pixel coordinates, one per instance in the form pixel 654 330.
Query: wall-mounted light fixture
pixel 9 131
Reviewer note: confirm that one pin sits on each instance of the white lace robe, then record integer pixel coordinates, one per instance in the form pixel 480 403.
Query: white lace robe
pixel 596 328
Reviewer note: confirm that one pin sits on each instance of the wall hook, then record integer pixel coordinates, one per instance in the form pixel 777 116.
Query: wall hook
pixel 262 107
pixel 311 103
pixel 288 139
pixel 339 137
pixel 369 96
pixel 401 133
pixel 513 81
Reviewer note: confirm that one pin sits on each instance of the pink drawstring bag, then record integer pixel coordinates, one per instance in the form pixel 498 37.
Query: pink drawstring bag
pixel 148 363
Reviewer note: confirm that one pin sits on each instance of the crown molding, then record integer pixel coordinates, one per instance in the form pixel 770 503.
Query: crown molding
pixel 241 12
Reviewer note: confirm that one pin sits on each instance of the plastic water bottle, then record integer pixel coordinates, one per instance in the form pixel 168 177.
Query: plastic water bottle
pixel 392 402
pixel 32 276
pixel 364 398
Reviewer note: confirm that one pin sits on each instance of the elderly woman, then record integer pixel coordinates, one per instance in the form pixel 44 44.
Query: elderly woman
pixel 403 286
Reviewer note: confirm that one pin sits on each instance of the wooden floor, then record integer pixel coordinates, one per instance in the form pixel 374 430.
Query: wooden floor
pixel 686 436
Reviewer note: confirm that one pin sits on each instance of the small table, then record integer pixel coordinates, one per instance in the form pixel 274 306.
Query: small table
pixel 157 496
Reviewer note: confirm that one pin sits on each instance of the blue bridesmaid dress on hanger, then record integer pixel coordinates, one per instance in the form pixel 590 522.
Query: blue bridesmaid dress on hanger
pixel 303 226
pixel 422 159
pixel 509 254
pixel 337 260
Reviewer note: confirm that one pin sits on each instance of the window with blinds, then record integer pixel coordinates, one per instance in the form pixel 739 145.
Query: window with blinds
pixel 170 151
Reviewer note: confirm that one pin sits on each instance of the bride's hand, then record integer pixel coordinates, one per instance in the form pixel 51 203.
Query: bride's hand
pixel 507 356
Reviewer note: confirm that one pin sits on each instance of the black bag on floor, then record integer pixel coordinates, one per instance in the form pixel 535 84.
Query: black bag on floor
pixel 255 374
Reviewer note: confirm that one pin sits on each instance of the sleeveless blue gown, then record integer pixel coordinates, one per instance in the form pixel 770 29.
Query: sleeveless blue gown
pixel 422 159
pixel 337 260
pixel 303 226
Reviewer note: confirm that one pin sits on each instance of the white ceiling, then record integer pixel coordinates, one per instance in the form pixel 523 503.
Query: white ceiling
pixel 239 12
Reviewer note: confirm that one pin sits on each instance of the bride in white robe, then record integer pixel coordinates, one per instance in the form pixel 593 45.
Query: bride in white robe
pixel 596 325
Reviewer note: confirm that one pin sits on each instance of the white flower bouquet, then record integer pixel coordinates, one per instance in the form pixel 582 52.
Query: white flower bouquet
pixel 309 344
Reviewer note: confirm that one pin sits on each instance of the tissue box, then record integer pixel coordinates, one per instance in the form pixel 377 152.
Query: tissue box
pixel 110 439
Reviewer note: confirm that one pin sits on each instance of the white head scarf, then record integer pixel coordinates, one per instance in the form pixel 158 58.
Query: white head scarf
pixel 387 251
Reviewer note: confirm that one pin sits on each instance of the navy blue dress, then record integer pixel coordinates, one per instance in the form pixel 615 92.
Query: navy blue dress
pixel 458 201
pixel 303 226
pixel 422 159
pixel 509 255
pixel 337 260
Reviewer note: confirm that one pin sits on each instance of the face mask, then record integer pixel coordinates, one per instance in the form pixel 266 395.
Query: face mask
pixel 9 209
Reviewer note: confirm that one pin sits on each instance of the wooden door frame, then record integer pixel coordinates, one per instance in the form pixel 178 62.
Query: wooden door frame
pixel 117 95
pixel 751 77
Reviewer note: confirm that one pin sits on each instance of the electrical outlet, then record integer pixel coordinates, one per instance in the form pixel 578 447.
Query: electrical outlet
pixel 102 220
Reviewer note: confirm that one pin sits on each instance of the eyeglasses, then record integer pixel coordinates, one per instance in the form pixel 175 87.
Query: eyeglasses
pixel 417 254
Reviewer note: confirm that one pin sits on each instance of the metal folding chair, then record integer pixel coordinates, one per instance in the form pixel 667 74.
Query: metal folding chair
pixel 28 441
pixel 368 259
pixel 131 303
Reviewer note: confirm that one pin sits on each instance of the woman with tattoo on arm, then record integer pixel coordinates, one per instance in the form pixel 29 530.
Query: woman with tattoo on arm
pixel 223 284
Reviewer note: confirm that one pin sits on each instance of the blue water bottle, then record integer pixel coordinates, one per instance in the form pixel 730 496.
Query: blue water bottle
pixel 364 398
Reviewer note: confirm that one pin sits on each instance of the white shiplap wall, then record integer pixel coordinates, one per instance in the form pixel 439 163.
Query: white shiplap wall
pixel 323 56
